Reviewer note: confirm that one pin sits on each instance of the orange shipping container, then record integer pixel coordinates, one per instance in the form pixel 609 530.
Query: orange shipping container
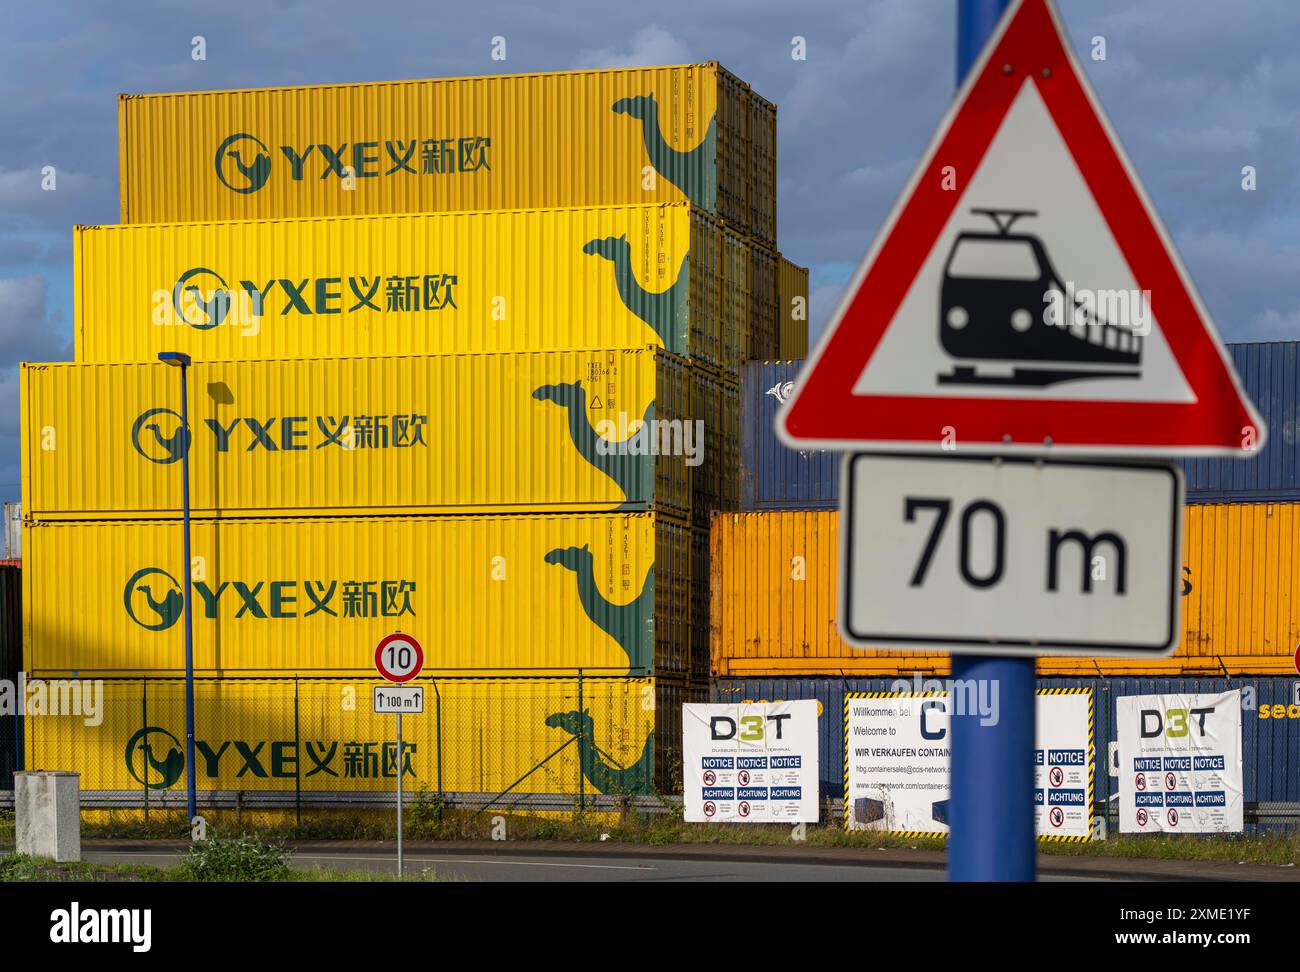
pixel 775 599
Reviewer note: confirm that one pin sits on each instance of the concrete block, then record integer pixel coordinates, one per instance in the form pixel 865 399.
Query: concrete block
pixel 47 815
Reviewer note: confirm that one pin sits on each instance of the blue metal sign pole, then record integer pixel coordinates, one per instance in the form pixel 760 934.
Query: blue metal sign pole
pixel 992 814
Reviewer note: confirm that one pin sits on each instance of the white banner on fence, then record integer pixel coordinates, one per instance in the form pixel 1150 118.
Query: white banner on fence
pixel 753 762
pixel 899 758
pixel 1180 763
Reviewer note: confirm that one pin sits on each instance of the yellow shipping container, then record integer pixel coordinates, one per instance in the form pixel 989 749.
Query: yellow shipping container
pixel 494 595
pixel 775 596
pixel 716 482
pixel 538 280
pixel 762 328
pixel 792 291
pixel 522 141
pixel 552 431
pixel 321 737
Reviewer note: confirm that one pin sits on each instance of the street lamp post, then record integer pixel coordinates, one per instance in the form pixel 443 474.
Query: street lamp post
pixel 180 359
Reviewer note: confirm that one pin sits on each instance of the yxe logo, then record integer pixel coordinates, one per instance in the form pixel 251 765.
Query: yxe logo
pixel 203 299
pixel 201 313
pixel 160 435
pixel 239 759
pixel 243 175
pixel 263 599
pixel 144 766
pixel 155 605
pixel 243 161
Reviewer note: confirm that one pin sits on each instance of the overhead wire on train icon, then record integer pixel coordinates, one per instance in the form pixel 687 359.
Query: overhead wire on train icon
pixel 994 294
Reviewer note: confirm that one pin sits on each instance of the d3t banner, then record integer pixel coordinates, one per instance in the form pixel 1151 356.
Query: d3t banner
pixel 750 762
pixel 1180 763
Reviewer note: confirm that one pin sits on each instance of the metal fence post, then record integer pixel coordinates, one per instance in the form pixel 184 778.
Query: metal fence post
pixel 297 761
pixel 437 710
pixel 144 724
pixel 582 783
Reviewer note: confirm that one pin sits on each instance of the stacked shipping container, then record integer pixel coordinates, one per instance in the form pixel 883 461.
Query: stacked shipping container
pixel 776 477
pixel 775 599
pixel 774 583
pixel 421 363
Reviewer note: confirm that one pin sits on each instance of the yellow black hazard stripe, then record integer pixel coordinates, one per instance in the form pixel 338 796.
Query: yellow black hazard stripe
pixel 1092 762
pixel 1074 838
pixel 849 697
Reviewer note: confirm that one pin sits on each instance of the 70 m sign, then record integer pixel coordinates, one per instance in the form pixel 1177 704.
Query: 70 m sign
pixel 1011 556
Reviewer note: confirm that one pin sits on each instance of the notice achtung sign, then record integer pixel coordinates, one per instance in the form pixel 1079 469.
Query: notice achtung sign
pixel 750 762
pixel 1180 763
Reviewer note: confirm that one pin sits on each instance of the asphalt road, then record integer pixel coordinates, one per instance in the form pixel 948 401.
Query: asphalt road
pixel 491 865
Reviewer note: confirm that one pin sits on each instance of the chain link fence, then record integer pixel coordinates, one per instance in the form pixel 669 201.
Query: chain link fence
pixel 298 752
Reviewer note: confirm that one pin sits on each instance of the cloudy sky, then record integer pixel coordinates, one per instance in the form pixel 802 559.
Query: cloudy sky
pixel 1197 89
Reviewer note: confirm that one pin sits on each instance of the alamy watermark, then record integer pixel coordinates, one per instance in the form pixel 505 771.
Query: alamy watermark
pixel 1079 307
pixel 26 697
pixel 625 436
pixel 967 696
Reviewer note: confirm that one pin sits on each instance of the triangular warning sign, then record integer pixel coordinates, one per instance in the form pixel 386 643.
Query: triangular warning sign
pixel 1023 294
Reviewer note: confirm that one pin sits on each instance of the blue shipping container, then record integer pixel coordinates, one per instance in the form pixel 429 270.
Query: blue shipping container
pixel 1270 747
pixel 774 477
pixel 1270 373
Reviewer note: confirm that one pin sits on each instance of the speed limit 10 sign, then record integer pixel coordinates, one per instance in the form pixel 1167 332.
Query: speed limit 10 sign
pixel 399 657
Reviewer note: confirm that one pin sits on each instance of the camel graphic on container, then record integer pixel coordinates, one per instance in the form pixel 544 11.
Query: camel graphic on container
pixel 599 771
pixel 630 624
pixel 693 171
pixel 665 311
pixel 632 473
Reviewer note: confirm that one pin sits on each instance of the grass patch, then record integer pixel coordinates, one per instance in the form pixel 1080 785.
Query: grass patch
pixel 18 868
pixel 245 857
pixel 1278 849
pixel 21 868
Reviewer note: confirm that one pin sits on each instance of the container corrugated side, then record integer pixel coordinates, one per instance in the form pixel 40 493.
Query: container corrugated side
pixel 762 327
pixel 700 560
pixel 773 476
pixel 550 431
pixel 1269 745
pixel 11 663
pixel 775 595
pixel 494 595
pixel 1270 376
pixel 267 736
pixel 517 141
pixel 792 294
pixel 536 280
pixel 714 481
pixel 670 695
